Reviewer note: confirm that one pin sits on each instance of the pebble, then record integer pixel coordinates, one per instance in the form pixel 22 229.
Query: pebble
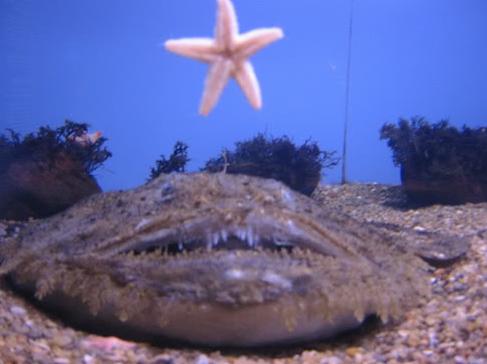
pixel 62 361
pixel 352 351
pixel 17 310
pixel 332 360
pixel 162 359
pixel 62 340
pixel 202 359
pixel 88 359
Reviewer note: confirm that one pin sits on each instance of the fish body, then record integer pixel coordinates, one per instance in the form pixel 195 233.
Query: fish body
pixel 215 260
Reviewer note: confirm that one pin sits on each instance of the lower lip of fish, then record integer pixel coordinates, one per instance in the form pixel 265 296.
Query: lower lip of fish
pixel 239 298
pixel 227 298
pixel 289 320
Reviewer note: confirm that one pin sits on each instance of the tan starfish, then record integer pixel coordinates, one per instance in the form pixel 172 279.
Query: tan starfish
pixel 228 56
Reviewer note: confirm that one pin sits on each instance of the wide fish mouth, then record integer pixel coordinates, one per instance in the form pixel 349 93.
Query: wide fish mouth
pixel 256 231
pixel 257 259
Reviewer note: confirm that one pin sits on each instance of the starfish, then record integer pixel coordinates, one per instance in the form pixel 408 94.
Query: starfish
pixel 228 56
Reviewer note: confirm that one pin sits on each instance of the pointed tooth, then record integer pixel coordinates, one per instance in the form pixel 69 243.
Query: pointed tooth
pixel 256 239
pixel 280 242
pixel 250 237
pixel 241 234
pixel 224 235
pixel 244 234
pixel 359 314
pixel 215 239
pixel 209 241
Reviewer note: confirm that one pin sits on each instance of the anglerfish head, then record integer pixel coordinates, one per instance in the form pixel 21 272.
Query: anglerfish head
pixel 215 259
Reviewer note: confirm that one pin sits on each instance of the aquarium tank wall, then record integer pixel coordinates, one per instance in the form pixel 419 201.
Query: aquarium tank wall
pixel 213 181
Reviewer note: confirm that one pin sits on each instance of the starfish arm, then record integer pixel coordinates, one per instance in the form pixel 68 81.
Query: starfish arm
pixel 201 49
pixel 226 25
pixel 247 80
pixel 249 43
pixel 216 81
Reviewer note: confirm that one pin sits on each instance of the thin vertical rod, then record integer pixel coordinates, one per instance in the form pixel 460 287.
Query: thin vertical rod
pixel 347 99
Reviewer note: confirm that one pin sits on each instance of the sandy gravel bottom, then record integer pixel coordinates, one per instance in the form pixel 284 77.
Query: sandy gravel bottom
pixel 450 328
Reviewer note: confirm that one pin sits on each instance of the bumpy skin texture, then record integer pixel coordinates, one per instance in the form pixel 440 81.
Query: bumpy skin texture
pixel 213 259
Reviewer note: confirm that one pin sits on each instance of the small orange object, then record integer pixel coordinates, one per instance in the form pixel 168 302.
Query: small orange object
pixel 106 343
pixel 86 139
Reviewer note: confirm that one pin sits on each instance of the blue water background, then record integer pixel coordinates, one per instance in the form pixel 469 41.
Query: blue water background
pixel 102 62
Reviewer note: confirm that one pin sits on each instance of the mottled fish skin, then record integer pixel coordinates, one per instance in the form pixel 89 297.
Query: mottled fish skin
pixel 213 259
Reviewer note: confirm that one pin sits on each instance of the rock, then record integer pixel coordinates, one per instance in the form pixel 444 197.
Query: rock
pixel 425 190
pixel 39 188
pixel 202 359
pixel 17 310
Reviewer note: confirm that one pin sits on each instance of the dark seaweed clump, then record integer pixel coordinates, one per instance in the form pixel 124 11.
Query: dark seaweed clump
pixel 47 171
pixel 48 143
pixel 439 163
pixel 175 163
pixel 278 158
